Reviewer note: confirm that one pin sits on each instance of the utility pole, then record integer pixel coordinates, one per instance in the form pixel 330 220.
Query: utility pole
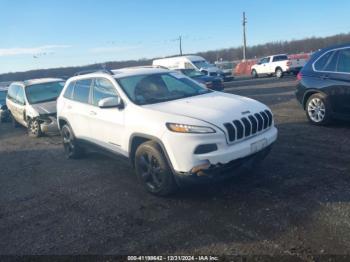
pixel 244 37
pixel 180 40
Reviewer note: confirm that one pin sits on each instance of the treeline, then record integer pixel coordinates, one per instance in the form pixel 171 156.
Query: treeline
pixel 231 54
pixel 289 47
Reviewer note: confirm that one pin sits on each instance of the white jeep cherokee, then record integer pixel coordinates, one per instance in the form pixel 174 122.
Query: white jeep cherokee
pixel 171 128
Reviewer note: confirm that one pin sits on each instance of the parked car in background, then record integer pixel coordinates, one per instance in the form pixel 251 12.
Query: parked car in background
pixel 189 62
pixel 324 85
pixel 170 128
pixel 277 65
pixel 4 113
pixel 211 82
pixel 227 69
pixel 32 103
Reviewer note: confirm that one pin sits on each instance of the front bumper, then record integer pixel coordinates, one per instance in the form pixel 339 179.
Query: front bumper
pixel 180 149
pixel 49 125
pixel 223 171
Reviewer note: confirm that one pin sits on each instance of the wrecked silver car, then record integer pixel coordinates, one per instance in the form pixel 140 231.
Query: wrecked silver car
pixel 32 103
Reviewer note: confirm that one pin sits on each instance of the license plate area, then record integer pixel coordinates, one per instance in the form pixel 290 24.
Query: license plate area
pixel 258 145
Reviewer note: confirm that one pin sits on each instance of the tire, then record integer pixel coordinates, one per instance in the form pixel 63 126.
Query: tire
pixel 318 110
pixel 153 171
pixel 34 129
pixel 71 148
pixel 279 73
pixel 14 122
pixel 254 74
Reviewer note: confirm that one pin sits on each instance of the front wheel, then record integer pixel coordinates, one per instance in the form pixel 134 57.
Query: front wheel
pixel 71 147
pixel 318 110
pixel 34 129
pixel 153 170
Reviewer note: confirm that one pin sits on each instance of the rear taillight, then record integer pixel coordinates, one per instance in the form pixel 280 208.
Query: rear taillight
pixel 289 63
pixel 299 76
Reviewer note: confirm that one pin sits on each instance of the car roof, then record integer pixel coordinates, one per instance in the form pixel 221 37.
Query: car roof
pixel 38 81
pixel 132 71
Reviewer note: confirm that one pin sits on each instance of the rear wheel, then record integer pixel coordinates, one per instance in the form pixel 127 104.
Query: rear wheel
pixel 318 109
pixel 71 147
pixel 153 170
pixel 254 74
pixel 279 73
pixel 34 129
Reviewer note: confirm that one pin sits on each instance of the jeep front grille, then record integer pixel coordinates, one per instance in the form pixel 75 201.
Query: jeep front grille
pixel 248 126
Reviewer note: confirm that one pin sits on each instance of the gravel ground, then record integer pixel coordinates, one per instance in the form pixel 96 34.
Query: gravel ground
pixel 296 203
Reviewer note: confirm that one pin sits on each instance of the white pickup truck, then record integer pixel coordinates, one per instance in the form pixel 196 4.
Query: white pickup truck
pixel 277 65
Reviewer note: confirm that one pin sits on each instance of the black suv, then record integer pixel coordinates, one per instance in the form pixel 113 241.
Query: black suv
pixel 324 85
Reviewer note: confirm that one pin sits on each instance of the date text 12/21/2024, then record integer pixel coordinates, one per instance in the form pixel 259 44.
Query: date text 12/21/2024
pixel 173 258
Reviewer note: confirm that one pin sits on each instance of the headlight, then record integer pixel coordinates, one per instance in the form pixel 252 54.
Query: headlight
pixel 181 128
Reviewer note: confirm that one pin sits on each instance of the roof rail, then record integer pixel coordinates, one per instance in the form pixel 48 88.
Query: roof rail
pixel 85 72
pixel 146 66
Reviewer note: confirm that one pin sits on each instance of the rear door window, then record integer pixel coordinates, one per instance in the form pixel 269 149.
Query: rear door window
pixel 280 58
pixel 343 65
pixel 323 61
pixel 12 92
pixel 331 64
pixel 81 91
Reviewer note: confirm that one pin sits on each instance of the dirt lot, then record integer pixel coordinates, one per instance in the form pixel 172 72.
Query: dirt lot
pixel 296 203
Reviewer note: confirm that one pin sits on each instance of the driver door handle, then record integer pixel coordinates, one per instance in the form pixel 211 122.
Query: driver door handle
pixel 93 113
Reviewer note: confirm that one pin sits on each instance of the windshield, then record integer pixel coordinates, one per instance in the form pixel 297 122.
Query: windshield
pixel 3 96
pixel 201 64
pixel 157 88
pixel 192 73
pixel 46 92
pixel 225 65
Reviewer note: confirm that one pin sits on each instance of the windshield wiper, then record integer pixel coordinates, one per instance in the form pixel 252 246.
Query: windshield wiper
pixel 43 101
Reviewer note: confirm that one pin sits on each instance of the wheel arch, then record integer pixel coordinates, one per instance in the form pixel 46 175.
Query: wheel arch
pixel 310 93
pixel 62 121
pixel 137 139
pixel 278 67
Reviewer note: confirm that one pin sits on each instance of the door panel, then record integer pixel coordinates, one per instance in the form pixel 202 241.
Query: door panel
pixel 339 92
pixel 80 109
pixel 336 74
pixel 20 107
pixel 107 124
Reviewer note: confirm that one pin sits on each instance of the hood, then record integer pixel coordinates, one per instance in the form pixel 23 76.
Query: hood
pixel 215 107
pixel 45 108
pixel 211 69
pixel 204 78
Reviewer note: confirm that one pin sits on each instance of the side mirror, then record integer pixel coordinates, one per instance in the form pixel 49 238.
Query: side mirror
pixel 111 102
